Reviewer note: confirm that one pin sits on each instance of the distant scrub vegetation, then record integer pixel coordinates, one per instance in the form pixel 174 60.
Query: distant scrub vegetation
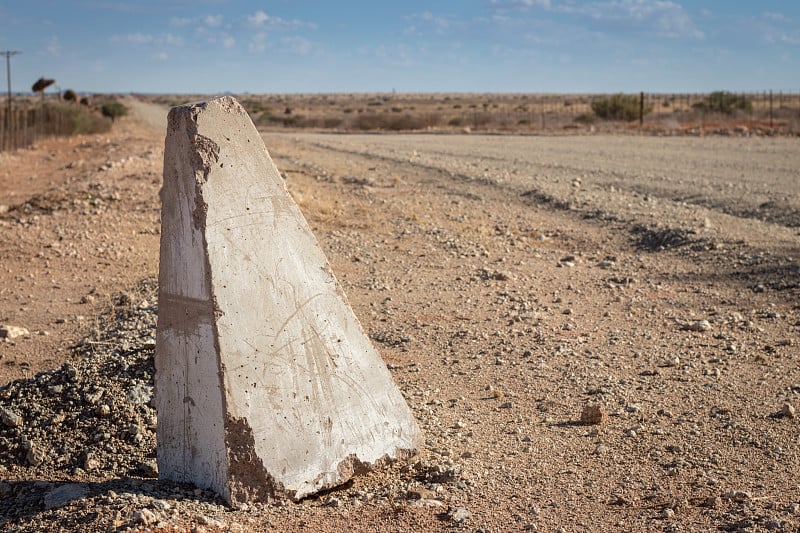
pixel 114 110
pixel 510 112
pixel 65 118
pixel 724 102
pixel 618 107
pixel 374 121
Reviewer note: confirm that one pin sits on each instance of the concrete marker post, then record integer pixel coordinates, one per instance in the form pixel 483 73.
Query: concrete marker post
pixel 266 385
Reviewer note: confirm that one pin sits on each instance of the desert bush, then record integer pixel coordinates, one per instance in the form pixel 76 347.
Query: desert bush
pixel 312 122
pixel 456 121
pixel 585 118
pixel 372 121
pixel 70 96
pixel 264 117
pixel 114 110
pixel 368 121
pixel 297 121
pixel 480 119
pixel 724 102
pixel 66 119
pixel 618 107
pixel 332 122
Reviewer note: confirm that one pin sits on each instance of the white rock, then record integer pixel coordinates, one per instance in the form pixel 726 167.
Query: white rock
pixel 61 496
pixel 10 418
pixel 12 332
pixel 460 515
pixel 145 517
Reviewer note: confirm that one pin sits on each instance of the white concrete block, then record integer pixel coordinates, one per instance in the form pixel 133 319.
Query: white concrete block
pixel 266 384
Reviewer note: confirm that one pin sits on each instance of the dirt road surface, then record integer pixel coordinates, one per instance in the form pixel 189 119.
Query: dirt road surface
pixel 596 333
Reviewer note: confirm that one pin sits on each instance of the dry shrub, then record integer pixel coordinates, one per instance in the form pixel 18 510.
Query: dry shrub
pixel 618 107
pixel 372 121
pixel 724 102
pixel 65 119
pixel 480 119
pixel 332 122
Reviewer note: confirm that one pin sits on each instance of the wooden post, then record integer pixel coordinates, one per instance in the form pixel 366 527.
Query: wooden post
pixel 641 109
pixel 542 108
pixel 771 121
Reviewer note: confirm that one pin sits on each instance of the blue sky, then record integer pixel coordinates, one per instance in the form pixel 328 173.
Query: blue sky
pixel 279 46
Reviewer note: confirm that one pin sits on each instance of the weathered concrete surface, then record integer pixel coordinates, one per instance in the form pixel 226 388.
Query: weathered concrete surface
pixel 265 382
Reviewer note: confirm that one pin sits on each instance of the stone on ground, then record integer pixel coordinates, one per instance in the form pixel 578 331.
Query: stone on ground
pixel 266 384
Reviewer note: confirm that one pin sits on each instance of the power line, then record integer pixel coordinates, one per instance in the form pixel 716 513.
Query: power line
pixel 8 54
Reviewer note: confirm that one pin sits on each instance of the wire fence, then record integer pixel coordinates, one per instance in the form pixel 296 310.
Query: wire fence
pixel 753 113
pixel 27 122
pixel 22 127
pixel 779 111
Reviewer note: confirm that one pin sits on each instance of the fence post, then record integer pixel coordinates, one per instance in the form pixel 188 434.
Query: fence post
pixel 771 123
pixel 641 109
pixel 543 112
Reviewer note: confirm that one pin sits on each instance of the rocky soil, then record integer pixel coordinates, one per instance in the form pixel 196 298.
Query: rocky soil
pixel 594 332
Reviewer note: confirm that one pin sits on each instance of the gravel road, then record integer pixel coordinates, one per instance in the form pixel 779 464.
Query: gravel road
pixel 745 186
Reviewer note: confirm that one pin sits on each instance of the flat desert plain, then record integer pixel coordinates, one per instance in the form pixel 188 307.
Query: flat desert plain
pixel 595 332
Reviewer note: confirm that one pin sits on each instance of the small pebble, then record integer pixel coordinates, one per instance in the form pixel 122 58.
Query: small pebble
pixel 592 415
pixel 460 515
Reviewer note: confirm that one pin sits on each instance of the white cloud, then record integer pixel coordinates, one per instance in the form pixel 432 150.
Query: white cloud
pixel 662 18
pixel 777 29
pixel 792 39
pixel 212 21
pixel 659 17
pixel 427 22
pixel 260 19
pixel 398 55
pixel 181 21
pixel 228 41
pixel 146 38
pixel 775 17
pixel 134 38
pixel 161 56
pixel 258 42
pixel 53 47
pixel 173 40
pixel 298 45
pixel 525 4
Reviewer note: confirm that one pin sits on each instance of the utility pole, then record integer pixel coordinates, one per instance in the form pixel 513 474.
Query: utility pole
pixel 8 54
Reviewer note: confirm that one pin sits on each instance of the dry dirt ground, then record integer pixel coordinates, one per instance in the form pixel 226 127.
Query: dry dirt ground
pixel 595 333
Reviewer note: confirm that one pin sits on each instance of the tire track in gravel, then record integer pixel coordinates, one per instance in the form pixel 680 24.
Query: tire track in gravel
pixel 734 190
pixel 745 249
